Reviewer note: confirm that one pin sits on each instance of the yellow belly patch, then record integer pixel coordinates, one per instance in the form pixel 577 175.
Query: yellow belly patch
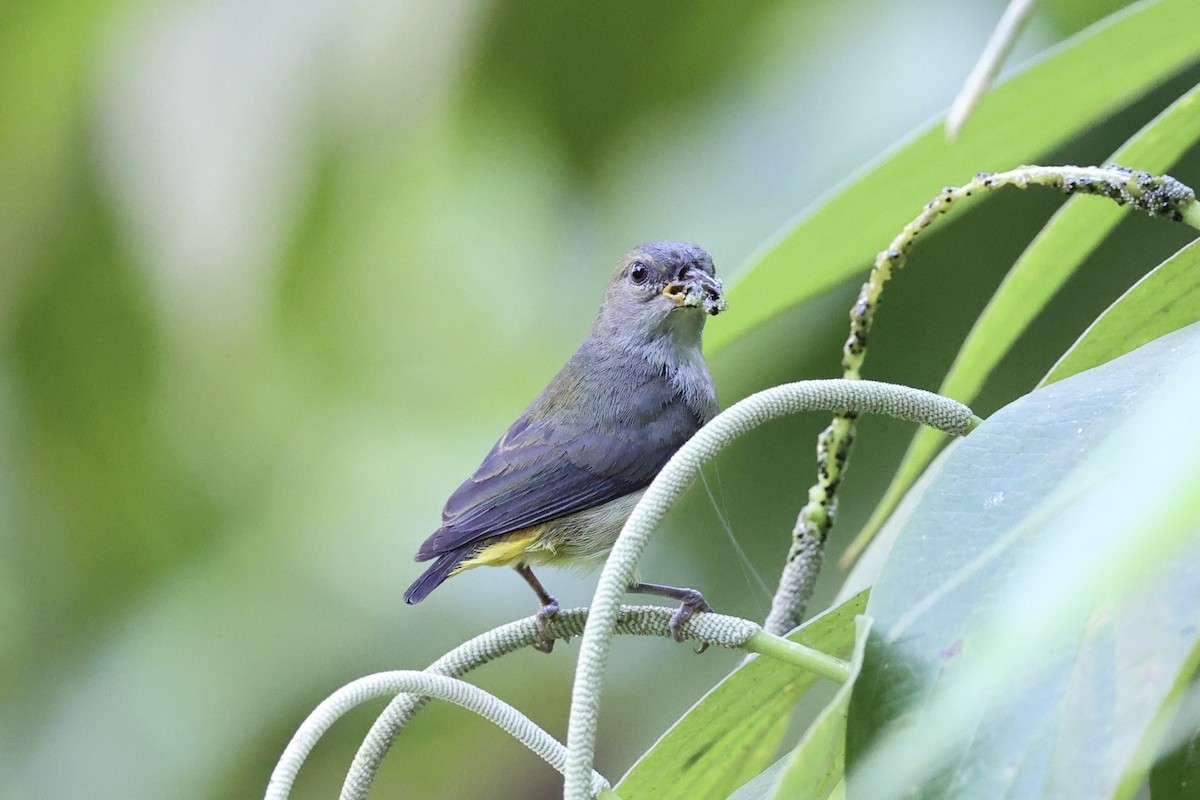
pixel 504 550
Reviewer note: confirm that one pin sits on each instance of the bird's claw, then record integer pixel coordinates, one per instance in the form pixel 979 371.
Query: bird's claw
pixel 692 603
pixel 544 615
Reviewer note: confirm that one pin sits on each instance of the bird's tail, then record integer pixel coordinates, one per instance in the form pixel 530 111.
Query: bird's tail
pixel 432 578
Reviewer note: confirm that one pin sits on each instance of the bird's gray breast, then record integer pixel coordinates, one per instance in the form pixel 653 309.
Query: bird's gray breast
pixel 662 392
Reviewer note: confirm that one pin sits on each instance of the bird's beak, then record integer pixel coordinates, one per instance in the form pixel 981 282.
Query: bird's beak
pixel 697 289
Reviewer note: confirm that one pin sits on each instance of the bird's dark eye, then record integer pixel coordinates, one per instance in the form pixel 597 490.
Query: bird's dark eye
pixel 638 273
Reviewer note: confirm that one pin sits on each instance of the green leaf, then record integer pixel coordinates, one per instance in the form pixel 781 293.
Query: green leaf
pixel 1054 256
pixel 733 732
pixel 1042 603
pixel 1165 300
pixel 815 769
pixel 1090 76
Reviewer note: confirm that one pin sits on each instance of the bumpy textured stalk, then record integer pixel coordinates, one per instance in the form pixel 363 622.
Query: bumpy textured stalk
pixel 1156 195
pixel 413 692
pixel 718 629
pixel 425 684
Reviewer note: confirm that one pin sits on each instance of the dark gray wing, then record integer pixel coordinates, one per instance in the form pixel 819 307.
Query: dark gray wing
pixel 542 470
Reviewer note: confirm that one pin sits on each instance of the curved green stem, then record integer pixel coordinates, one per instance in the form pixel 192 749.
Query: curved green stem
pixel 802 656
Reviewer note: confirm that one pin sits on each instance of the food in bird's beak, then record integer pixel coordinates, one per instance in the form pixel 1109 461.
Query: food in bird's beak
pixel 697 289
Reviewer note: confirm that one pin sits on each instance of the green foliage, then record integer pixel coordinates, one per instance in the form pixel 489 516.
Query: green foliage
pixel 1167 299
pixel 816 768
pixel 733 732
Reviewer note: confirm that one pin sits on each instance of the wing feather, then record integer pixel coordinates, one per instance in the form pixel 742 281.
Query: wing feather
pixel 542 470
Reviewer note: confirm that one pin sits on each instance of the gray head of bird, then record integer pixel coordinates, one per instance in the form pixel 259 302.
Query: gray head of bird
pixel 662 288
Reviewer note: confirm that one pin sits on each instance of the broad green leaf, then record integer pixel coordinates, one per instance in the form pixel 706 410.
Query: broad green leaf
pixel 1165 300
pixel 1051 259
pixel 733 732
pixel 867 567
pixel 1042 603
pixel 815 769
pixel 1090 77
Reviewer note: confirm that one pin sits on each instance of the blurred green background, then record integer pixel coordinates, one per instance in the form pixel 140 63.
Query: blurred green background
pixel 274 275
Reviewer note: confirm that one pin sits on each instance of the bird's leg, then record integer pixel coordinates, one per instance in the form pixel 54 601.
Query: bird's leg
pixel 690 602
pixel 549 606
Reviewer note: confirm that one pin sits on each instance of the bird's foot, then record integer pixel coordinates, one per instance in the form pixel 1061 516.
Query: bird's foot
pixel 544 615
pixel 690 602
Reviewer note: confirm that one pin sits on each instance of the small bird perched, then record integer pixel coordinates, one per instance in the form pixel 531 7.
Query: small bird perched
pixel 559 485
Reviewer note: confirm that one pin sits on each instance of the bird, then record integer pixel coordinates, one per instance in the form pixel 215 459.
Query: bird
pixel 558 486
